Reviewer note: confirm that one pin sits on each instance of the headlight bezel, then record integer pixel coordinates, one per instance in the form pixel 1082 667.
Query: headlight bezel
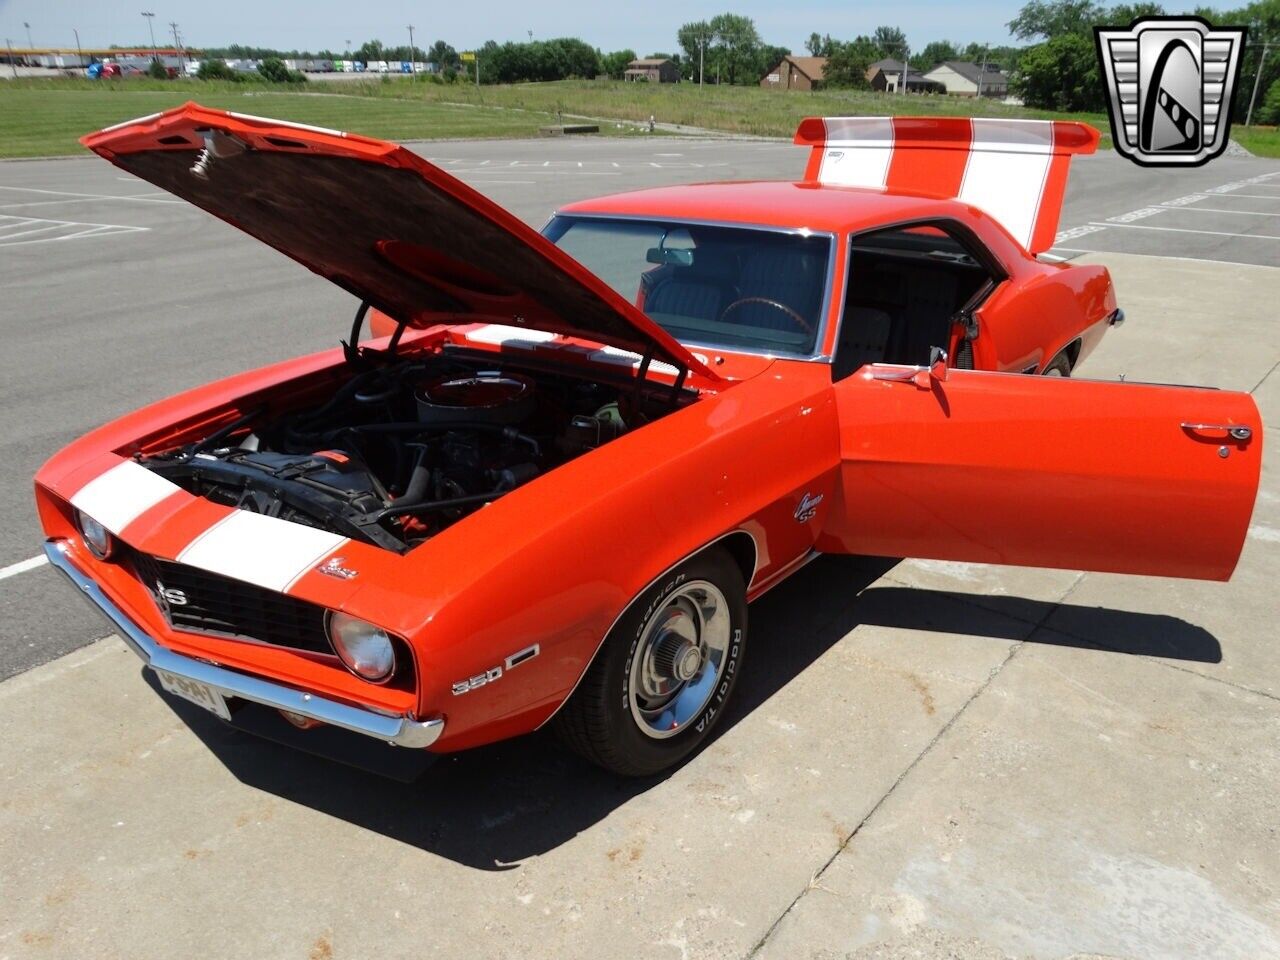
pixel 337 623
pixel 104 552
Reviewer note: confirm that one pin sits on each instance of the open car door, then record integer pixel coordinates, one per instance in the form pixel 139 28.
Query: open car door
pixel 1044 472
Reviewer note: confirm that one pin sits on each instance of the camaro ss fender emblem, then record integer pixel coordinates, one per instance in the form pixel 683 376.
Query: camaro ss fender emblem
pixel 333 568
pixel 494 674
pixel 171 595
pixel 808 508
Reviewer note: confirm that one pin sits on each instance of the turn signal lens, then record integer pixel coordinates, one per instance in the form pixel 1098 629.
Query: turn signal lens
pixel 364 648
pixel 95 536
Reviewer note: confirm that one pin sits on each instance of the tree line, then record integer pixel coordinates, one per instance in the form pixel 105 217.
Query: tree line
pixel 1061 70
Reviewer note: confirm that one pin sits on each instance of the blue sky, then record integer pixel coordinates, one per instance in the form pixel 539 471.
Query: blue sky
pixel 644 27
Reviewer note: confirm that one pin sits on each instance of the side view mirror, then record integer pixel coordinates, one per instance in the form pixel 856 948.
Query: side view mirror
pixel 937 363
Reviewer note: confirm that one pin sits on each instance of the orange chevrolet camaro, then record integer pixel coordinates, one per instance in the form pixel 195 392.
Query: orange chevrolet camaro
pixel 549 493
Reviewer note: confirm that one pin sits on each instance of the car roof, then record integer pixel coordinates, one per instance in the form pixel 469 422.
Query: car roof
pixel 777 203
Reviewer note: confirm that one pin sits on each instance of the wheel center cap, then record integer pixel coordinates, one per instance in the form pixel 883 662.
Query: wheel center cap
pixel 678 658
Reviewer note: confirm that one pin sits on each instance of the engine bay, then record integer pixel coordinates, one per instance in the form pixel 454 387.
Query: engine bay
pixel 407 446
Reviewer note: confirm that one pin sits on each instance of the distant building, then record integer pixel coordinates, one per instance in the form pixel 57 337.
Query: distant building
pixel 886 76
pixel 964 79
pixel 653 70
pixel 796 73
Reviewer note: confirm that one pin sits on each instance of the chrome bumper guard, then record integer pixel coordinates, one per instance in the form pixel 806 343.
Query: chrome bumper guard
pixel 398 731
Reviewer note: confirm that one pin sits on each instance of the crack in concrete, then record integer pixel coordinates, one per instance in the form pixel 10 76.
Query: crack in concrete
pixel 814 882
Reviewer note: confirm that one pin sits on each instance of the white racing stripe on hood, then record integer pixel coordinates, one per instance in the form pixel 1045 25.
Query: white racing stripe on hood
pixel 118 497
pixel 266 551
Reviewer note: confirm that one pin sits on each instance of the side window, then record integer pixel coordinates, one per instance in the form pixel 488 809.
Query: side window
pixel 907 288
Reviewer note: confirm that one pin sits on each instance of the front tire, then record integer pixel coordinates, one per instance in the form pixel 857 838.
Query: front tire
pixel 663 676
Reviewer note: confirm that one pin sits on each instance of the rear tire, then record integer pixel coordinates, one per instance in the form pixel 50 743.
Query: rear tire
pixel 1060 367
pixel 663 676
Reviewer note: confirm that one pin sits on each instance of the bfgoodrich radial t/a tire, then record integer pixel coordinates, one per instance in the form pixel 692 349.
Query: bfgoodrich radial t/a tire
pixel 663 676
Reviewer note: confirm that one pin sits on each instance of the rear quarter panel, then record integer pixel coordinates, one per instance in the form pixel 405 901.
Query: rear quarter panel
pixel 1039 311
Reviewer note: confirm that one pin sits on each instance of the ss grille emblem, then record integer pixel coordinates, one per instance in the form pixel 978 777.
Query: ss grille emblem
pixel 171 595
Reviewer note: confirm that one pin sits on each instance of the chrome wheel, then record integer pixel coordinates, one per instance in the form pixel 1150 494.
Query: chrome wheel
pixel 679 659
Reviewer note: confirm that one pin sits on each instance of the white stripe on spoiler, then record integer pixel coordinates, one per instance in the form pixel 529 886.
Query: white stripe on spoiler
pixel 1014 170
pixel 267 551
pixel 122 494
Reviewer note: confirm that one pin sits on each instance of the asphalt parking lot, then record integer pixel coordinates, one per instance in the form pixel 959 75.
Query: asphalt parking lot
pixel 926 759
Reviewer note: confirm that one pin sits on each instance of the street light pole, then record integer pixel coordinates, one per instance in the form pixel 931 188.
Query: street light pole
pixel 1248 120
pixel 983 72
pixel 177 45
pixel 79 52
pixel 702 50
pixel 150 21
pixel 30 45
pixel 413 57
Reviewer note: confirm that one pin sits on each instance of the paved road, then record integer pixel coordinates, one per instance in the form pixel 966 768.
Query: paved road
pixel 926 759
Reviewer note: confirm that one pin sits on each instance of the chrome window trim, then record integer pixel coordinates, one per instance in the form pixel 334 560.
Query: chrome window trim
pixel 824 315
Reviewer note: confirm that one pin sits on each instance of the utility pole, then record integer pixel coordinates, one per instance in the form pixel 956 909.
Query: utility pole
pixel 79 53
pixel 1248 120
pixel 177 45
pixel 150 21
pixel 13 64
pixel 702 50
pixel 982 74
pixel 413 57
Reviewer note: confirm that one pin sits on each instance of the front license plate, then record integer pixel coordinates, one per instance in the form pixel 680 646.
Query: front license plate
pixel 201 694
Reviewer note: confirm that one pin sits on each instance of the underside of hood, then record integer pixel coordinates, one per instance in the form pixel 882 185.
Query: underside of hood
pixel 380 222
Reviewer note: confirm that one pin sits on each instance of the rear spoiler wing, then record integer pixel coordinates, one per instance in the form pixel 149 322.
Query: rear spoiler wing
pixel 1014 170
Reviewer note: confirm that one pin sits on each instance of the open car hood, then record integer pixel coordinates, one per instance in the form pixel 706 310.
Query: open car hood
pixel 381 223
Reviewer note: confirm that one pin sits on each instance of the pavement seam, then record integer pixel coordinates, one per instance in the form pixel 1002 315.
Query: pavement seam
pixel 1205 676
pixel 1273 369
pixel 813 883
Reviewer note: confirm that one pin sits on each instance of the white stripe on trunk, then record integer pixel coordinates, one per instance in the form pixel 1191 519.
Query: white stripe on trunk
pixel 857 152
pixel 118 497
pixel 257 549
pixel 1006 173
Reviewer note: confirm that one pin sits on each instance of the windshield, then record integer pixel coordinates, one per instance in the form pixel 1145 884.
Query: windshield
pixel 731 287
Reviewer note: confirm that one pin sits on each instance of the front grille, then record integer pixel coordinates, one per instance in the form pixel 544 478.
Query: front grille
pixel 230 608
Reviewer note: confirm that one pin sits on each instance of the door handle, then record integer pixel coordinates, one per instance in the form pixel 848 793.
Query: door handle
pixel 1233 431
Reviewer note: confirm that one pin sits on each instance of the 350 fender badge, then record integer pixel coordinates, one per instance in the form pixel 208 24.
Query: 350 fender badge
pixel 495 673
pixel 808 508
pixel 333 568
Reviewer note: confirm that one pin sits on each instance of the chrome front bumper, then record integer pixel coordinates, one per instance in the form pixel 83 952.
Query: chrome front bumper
pixel 398 731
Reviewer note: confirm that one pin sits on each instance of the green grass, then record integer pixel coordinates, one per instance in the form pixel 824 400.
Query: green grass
pixel 1260 141
pixel 746 110
pixel 45 117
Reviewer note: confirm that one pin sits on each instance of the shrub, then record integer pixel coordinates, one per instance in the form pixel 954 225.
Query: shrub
pixel 217 70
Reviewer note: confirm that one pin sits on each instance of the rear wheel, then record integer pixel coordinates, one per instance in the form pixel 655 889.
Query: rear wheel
pixel 1060 367
pixel 663 676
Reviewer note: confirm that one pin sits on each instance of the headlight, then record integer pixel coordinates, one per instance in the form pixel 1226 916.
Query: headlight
pixel 95 536
pixel 364 648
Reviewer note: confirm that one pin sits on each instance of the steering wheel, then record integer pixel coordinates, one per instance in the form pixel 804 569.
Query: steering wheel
pixel 800 321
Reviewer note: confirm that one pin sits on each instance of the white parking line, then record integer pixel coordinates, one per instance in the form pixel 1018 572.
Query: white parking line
pixel 1212 233
pixel 1243 213
pixel 93 196
pixel 12 228
pixel 1250 196
pixel 22 566
pixel 48 203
